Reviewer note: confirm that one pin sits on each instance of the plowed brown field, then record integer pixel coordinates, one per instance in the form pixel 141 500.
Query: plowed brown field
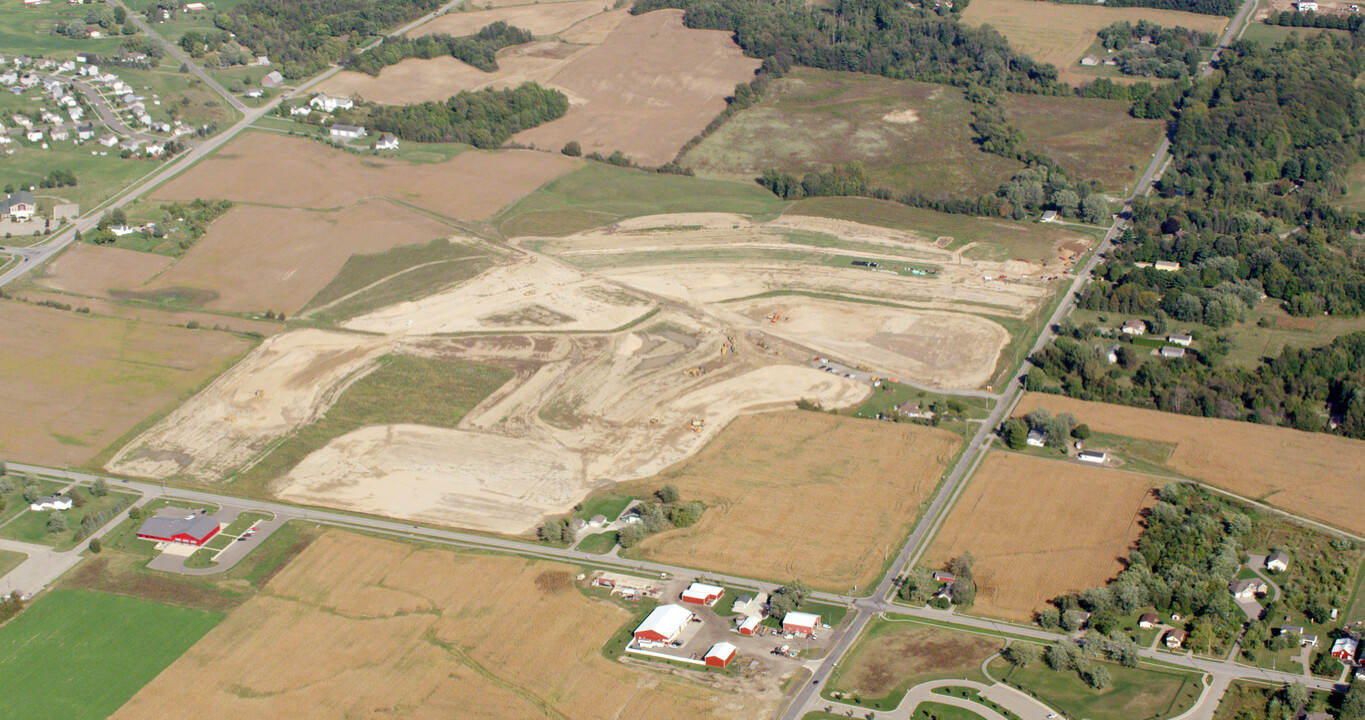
pixel 94 270
pixel 1041 528
pixel 1313 474
pixel 361 627
pixel 802 495
pixel 272 169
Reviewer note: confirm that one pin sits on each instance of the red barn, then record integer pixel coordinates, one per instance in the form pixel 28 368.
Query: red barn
pixel 800 623
pixel 189 531
pixel 702 594
pixel 663 625
pixel 748 626
pixel 720 654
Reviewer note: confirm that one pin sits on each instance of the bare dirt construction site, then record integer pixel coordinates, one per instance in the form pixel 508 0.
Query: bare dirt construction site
pixel 74 383
pixel 271 169
pixel 1312 474
pixel 802 495
pixel 357 627
pixel 646 90
pixel 1061 34
pixel 240 265
pixel 1041 528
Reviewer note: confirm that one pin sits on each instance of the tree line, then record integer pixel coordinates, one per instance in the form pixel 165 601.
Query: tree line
pixel 482 118
pixel 479 50
pixel 1203 7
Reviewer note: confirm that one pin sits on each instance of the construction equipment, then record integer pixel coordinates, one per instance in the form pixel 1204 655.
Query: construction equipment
pixel 693 372
pixel 260 393
pixel 230 418
pixel 697 426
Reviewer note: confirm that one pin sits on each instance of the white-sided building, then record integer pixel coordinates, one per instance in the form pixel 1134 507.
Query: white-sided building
pixel 346 132
pixel 327 103
pixel 663 625
pixel 801 623
pixel 50 502
pixel 702 594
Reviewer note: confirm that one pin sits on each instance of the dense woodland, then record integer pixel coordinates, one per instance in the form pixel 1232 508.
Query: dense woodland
pixel 483 118
pixel 479 50
pixel 301 37
pixel 1170 52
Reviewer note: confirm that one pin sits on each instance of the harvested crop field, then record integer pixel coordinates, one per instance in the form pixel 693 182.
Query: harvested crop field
pixel 910 135
pixel 1093 139
pixel 87 269
pixel 356 627
pixel 539 18
pixel 256 258
pixel 1312 474
pixel 1041 528
pixel 74 383
pixel 1060 34
pixel 415 80
pixel 272 169
pixel 646 90
pixel 894 654
pixel 763 477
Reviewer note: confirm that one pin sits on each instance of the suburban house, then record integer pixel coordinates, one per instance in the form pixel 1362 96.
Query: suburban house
pixel 720 654
pixel 272 79
pixel 1090 61
pixel 346 132
pixel 748 626
pixel 1147 621
pixel 303 110
pixel 1305 639
pixel 19 206
pixel 50 502
pixel 59 133
pixel 194 6
pixel 1345 648
pixel 1172 352
pixel 386 142
pixel 1175 638
pixel 85 132
pixel 1091 456
pixel 1248 588
pixel 1306 6
pixel 130 145
pixel 1278 561
pixel 193 530
pixel 1184 340
pixel 1036 438
pixel 34 135
pixel 663 625
pixel 749 605
pixel 327 103
pixel 108 140
pixel 1134 327
pixel 702 594
pixel 254 93
pixel 910 409
pixel 801 623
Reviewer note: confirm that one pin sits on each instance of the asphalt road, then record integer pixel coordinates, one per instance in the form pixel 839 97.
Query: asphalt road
pixel 174 51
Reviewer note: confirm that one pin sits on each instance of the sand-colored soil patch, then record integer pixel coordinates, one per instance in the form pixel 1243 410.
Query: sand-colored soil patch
pixel 492 640
pixel 451 477
pixel 948 350
pixel 539 18
pixel 1060 34
pixel 1041 528
pixel 273 169
pixel 1312 474
pixel 524 296
pixel 764 477
pixel 87 269
pixel 647 89
pixel 415 80
pixel 255 259
pixel 289 380
pixel 74 383
pixel 902 117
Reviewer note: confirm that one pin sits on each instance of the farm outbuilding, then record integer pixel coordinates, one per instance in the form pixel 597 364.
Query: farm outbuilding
pixel 702 594
pixel 194 530
pixel 1344 649
pixel 801 623
pixel 720 654
pixel 1092 456
pixel 748 626
pixel 663 625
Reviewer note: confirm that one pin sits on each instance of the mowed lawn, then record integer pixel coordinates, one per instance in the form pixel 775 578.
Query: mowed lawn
pixel 911 136
pixel 1140 692
pixel 77 654
pixel 98 177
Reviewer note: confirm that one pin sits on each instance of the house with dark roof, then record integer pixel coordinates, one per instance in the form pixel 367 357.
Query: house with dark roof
pixel 19 206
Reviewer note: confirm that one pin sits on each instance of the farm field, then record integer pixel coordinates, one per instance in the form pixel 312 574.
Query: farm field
pixel 1093 139
pixel 85 269
pixel 68 629
pixel 911 136
pixel 628 93
pixel 1041 528
pixel 75 383
pixel 26 30
pixel 433 631
pixel 763 476
pixel 1061 34
pixel 272 169
pixel 894 654
pixel 539 18
pixel 1141 692
pixel 1310 474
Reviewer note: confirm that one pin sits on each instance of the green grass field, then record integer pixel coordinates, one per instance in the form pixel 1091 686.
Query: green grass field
pixel 1092 139
pixel 26 30
pixel 392 276
pixel 939 711
pixel 599 544
pixel 607 504
pixel 98 176
pixel 31 527
pixel 1257 31
pixel 812 119
pixel 1140 693
pixel 900 654
pixel 14 499
pixel 10 560
pixel 599 194
pixel 79 654
pixel 404 389
pixel 183 96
